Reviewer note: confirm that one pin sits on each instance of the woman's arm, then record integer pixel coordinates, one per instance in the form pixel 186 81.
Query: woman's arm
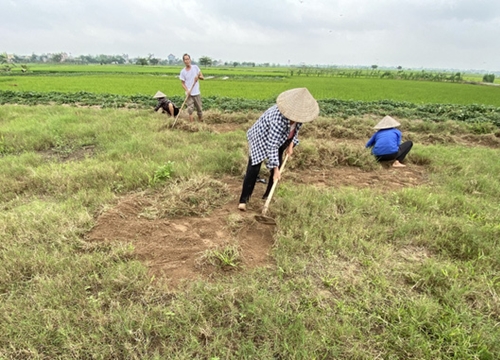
pixel 371 142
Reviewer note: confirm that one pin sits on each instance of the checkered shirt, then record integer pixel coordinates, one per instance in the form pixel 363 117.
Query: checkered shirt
pixel 267 135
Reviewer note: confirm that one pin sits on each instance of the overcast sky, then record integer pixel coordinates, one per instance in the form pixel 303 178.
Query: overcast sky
pixel 459 34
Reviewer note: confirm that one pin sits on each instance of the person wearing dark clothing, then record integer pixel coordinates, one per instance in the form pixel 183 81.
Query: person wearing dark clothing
pixel 165 104
pixel 275 132
pixel 386 142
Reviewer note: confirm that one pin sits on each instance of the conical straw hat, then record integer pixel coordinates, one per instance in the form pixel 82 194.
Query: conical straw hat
pixel 298 105
pixel 159 94
pixel 387 123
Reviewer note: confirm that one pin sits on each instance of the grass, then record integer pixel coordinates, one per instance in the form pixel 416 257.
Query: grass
pixel 360 273
pixel 226 257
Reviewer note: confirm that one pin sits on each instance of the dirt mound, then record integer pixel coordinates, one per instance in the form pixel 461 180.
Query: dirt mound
pixel 183 248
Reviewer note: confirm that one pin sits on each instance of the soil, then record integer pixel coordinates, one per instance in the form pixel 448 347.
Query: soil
pixel 175 249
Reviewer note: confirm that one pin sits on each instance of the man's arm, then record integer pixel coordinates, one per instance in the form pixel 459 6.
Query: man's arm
pixel 184 86
pixel 183 81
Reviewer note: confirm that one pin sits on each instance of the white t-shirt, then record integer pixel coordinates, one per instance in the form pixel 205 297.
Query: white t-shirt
pixel 188 78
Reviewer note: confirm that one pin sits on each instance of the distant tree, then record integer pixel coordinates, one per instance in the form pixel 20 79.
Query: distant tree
pixel 374 67
pixel 489 78
pixel 154 61
pixel 16 59
pixel 57 58
pixel 103 59
pixel 400 68
pixel 118 59
pixel 4 59
pixel 205 61
pixel 236 64
pixel 141 61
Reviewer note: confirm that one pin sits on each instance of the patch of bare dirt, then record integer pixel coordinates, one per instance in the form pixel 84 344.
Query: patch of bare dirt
pixel 64 155
pixel 385 178
pixel 173 248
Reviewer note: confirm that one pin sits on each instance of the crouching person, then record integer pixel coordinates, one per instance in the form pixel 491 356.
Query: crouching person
pixel 165 104
pixel 386 142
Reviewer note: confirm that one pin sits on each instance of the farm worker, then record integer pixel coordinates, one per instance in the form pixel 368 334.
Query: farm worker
pixel 275 132
pixel 386 142
pixel 165 104
pixel 189 77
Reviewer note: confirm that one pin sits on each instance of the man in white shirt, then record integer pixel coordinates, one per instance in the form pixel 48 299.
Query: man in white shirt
pixel 189 77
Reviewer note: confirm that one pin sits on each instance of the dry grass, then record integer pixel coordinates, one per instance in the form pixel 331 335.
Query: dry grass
pixel 187 197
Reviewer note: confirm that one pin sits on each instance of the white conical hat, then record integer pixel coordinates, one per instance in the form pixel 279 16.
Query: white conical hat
pixel 387 123
pixel 159 94
pixel 298 105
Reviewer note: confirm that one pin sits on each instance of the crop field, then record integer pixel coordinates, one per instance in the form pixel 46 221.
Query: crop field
pixel 260 87
pixel 120 236
pixel 258 71
pixel 41 69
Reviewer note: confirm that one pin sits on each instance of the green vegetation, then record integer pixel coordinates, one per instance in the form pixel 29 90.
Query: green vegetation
pixel 329 107
pixel 489 78
pixel 247 83
pixel 358 273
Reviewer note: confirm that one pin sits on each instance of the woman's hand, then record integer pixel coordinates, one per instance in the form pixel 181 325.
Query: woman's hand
pixel 276 174
pixel 289 149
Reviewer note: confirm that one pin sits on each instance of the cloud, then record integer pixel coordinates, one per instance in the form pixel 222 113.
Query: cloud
pixel 410 33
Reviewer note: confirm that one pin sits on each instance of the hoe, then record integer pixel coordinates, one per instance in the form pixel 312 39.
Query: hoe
pixel 263 218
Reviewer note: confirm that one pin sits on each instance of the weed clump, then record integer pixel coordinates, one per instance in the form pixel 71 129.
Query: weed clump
pixel 188 197
pixel 329 154
pixel 226 257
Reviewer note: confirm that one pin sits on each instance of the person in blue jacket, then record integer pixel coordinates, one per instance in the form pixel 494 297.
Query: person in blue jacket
pixel 386 142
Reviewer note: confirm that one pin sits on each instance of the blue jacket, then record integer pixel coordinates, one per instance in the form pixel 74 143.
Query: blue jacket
pixel 385 142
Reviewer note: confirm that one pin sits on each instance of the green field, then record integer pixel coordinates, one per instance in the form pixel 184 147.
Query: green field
pixel 360 89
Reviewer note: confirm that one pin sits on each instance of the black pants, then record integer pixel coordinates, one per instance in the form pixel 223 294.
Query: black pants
pixel 404 149
pixel 253 173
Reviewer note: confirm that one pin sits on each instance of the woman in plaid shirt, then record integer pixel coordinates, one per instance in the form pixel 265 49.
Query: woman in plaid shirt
pixel 275 132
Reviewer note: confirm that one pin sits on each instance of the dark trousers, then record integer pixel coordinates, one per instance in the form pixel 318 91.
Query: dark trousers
pixel 404 149
pixel 253 173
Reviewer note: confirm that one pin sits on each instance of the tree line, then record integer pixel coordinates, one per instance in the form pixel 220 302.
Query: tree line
pixel 7 62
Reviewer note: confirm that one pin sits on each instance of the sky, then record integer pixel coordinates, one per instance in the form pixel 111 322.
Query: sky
pixel 438 34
